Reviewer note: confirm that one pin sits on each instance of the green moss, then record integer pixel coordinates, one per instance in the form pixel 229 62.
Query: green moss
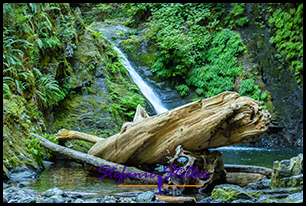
pixel 229 193
pixel 45 61
pixel 147 59
pixel 15 132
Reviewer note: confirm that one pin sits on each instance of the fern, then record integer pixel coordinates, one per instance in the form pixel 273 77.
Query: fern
pixel 287 35
pixel 183 89
pixel 46 91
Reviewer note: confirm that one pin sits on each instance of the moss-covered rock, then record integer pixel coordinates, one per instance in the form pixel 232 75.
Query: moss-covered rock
pixel 254 193
pixel 16 129
pixel 287 173
pixel 229 193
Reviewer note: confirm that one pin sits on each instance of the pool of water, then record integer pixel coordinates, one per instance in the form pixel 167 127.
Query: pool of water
pixel 73 177
pixel 263 157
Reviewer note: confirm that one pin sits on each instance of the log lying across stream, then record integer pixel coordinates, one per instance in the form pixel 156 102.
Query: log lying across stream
pixel 88 159
pixel 248 169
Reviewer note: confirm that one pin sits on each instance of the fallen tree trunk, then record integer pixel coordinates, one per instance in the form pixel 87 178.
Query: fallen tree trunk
pixel 89 160
pixel 170 199
pixel 242 178
pixel 222 120
pixel 248 169
pixel 70 135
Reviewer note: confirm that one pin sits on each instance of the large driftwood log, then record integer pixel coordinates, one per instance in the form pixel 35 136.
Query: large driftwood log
pixel 222 120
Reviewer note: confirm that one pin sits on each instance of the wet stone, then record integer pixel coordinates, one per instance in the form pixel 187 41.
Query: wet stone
pixel 262 184
pixel 57 199
pixel 243 201
pixel 295 198
pixel 27 200
pixel 79 201
pixel 53 192
pixel 145 197
pixel 23 176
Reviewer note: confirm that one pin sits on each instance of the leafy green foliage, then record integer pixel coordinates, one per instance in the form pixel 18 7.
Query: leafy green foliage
pixel 183 89
pixel 37 151
pixel 32 37
pixel 103 11
pixel 27 37
pixel 47 91
pixel 193 49
pixel 287 33
pixel 235 17
pixel 250 89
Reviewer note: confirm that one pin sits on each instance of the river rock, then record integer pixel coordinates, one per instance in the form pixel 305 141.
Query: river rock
pixel 263 184
pixel 79 201
pixel 19 195
pixel 287 173
pixel 295 198
pixel 229 193
pixel 284 187
pixel 210 199
pixel 54 192
pixel 96 200
pixel 57 199
pixel 145 197
pixel 24 184
pixel 23 176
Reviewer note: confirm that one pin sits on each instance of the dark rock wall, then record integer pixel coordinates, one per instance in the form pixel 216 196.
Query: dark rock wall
pixel 287 96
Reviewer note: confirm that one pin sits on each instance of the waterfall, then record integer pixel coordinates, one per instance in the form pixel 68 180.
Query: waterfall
pixel 144 88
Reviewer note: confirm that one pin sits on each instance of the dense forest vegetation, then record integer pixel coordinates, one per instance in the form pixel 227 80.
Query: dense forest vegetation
pixel 197 48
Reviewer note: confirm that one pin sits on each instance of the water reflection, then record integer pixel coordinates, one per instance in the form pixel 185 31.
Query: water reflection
pixel 73 177
pixel 256 156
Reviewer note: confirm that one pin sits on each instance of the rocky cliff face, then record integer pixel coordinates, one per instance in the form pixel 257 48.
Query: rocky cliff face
pixel 104 95
pixel 286 128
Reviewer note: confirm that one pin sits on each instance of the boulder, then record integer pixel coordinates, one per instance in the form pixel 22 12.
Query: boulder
pixel 287 173
pixel 145 197
pixel 229 193
pixel 54 192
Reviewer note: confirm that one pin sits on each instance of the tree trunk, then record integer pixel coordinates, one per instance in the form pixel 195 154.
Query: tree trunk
pixel 248 169
pixel 93 162
pixel 242 179
pixel 170 199
pixel 222 120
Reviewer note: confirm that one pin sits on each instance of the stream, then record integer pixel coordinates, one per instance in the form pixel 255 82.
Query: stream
pixel 73 177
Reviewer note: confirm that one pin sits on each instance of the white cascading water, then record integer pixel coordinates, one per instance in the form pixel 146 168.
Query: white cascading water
pixel 145 89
